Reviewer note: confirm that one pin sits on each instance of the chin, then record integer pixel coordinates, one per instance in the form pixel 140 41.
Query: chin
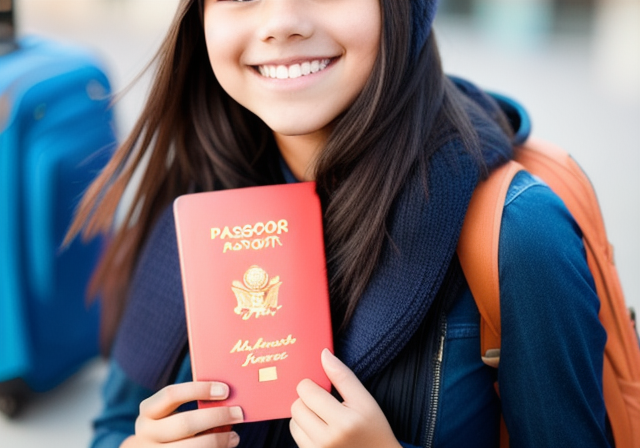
pixel 295 128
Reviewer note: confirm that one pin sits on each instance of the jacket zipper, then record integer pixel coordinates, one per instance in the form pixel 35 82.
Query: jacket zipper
pixel 435 387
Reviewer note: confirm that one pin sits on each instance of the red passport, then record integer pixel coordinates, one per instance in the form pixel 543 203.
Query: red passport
pixel 256 296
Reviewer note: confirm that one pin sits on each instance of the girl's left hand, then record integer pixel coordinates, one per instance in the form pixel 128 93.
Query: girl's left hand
pixel 319 420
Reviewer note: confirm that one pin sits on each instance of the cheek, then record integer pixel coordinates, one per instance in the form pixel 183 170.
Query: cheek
pixel 362 61
pixel 222 47
pixel 370 46
pixel 361 40
pixel 219 55
pixel 226 72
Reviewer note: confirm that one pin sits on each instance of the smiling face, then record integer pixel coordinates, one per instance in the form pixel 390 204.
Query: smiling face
pixel 296 64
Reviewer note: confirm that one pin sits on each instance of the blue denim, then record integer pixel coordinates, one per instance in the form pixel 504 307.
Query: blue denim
pixel 550 375
pixel 549 306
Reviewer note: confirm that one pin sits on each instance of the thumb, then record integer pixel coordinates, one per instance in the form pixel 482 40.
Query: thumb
pixel 344 380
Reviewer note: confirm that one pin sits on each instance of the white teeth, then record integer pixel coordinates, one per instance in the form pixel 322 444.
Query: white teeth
pixel 282 72
pixel 293 71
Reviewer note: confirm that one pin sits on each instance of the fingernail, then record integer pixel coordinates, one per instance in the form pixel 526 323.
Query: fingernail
pixel 236 413
pixel 329 360
pixel 234 439
pixel 218 390
pixel 327 355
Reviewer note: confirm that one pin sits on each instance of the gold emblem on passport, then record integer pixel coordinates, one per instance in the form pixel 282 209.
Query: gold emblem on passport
pixel 258 295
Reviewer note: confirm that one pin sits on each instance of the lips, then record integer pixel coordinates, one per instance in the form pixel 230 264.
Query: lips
pixel 294 70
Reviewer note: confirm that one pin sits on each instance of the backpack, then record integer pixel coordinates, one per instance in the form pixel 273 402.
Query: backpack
pixel 478 254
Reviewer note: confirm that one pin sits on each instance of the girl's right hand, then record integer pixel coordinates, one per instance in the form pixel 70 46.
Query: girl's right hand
pixel 159 425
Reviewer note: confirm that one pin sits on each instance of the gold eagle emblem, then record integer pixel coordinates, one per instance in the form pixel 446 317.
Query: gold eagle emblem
pixel 258 295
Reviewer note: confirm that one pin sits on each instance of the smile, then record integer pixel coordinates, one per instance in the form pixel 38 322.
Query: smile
pixel 293 71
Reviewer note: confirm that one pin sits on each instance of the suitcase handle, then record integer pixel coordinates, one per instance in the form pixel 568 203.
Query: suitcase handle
pixel 7 28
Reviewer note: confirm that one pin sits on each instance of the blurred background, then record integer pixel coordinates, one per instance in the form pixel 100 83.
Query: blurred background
pixel 574 64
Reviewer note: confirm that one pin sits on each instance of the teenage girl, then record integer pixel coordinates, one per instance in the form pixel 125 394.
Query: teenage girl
pixel 351 94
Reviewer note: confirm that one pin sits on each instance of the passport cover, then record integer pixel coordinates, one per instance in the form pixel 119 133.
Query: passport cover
pixel 256 295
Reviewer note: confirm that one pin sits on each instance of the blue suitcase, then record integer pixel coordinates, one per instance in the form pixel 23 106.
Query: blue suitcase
pixel 56 133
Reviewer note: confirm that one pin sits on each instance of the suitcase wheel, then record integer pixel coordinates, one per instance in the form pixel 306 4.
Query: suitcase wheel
pixel 10 405
pixel 13 397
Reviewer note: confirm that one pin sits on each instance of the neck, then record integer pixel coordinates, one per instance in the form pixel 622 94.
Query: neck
pixel 300 152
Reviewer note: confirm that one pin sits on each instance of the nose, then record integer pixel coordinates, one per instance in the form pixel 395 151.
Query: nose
pixel 282 20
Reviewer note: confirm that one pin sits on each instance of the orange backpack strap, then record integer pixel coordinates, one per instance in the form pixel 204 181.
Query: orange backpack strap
pixel 478 254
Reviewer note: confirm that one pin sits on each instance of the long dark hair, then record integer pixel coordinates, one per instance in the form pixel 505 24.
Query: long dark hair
pixel 192 134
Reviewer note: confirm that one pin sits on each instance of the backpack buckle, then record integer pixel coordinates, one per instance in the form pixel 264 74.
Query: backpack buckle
pixel 492 357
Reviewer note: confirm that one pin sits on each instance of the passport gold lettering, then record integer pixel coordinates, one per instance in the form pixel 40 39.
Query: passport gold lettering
pixel 249 231
pixel 252 237
pixel 257 244
pixel 252 359
pixel 246 346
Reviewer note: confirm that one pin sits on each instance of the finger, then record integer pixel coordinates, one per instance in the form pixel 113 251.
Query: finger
pixel 168 399
pixel 220 440
pixel 345 381
pixel 187 424
pixel 309 422
pixel 307 419
pixel 299 436
pixel 317 399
